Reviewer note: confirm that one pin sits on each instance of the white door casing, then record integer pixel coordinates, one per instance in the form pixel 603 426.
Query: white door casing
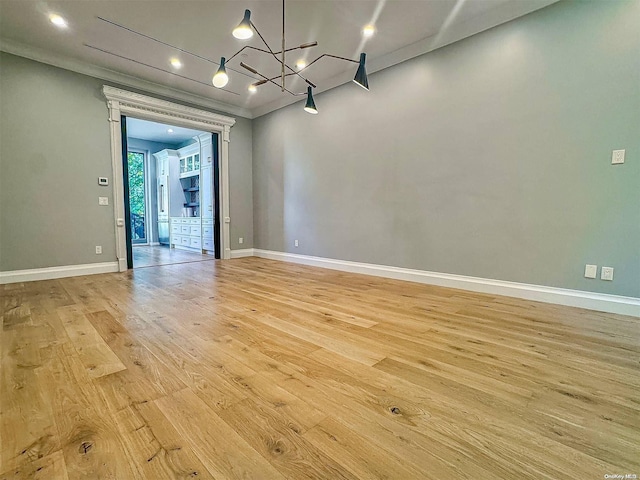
pixel 122 102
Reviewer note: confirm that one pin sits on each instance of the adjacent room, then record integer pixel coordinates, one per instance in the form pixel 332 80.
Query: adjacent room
pixel 171 198
pixel 313 239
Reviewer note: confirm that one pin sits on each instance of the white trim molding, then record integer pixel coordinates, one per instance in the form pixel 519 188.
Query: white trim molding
pixel 561 296
pixel 122 102
pixel 49 273
pixel 247 252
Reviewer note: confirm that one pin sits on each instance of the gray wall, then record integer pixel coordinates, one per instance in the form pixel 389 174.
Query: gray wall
pixel 150 148
pixel 54 144
pixel 489 158
pixel 241 181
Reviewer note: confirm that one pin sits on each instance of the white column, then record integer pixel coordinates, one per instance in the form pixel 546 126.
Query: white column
pixel 224 176
pixel 118 183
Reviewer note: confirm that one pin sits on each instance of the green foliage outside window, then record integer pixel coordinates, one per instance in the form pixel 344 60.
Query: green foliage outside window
pixel 136 194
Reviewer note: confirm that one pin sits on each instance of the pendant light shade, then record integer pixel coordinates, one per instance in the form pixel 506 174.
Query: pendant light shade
pixel 361 75
pixel 244 30
pixel 220 79
pixel 310 107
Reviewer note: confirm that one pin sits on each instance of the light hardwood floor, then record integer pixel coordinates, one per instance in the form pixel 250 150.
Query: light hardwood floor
pixel 258 369
pixel 153 256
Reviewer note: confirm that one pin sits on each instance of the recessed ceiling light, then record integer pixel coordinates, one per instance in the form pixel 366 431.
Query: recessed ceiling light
pixel 58 21
pixel 301 64
pixel 170 130
pixel 253 88
pixel 368 31
pixel 176 63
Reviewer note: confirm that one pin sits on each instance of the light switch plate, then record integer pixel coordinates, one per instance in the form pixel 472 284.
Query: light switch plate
pixel 606 273
pixel 98 250
pixel 591 271
pixel 103 200
pixel 617 157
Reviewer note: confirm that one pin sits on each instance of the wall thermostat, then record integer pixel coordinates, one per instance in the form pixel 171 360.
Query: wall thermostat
pixel 104 181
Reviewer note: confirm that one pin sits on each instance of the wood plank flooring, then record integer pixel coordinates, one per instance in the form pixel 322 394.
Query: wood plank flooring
pixel 155 255
pixel 257 369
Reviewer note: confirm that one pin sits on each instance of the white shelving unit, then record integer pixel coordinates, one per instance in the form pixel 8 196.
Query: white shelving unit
pixel 191 185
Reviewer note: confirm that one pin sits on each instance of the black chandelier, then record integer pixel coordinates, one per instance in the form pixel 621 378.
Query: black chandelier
pixel 244 31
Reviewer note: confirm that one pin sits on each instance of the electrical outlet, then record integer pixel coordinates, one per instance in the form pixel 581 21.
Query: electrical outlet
pixel 241 240
pixel 606 274
pixel 98 249
pixel 617 157
pixel 295 243
pixel 103 200
pixel 591 271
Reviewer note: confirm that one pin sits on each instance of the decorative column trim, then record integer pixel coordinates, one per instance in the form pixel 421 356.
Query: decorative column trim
pixel 224 192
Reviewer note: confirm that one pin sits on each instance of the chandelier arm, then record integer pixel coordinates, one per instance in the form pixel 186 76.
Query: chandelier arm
pixel 242 49
pixel 341 58
pixel 266 79
pixel 296 73
pixel 299 47
pixel 264 41
pixel 322 56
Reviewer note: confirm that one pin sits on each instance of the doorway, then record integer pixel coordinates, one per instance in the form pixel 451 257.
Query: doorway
pixel 171 182
pixel 122 102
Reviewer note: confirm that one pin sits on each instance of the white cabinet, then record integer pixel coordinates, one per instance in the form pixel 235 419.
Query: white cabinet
pixel 193 171
pixel 190 159
pixel 206 191
pixel 207 235
pixel 186 233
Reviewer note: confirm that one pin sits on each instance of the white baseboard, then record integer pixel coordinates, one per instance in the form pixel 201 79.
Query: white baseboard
pixel 561 296
pixel 49 273
pixel 247 252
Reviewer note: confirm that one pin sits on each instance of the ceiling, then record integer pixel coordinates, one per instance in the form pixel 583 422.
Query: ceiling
pixel 158 132
pixel 101 40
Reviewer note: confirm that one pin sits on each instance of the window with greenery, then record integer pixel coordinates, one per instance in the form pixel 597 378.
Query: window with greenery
pixel 136 196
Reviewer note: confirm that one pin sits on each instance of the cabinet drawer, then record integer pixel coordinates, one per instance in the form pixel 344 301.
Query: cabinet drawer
pixel 184 220
pixel 207 232
pixel 175 221
pixel 207 244
pixel 184 229
pixel 195 242
pixel 176 239
pixel 194 231
pixel 185 241
pixel 175 228
pixel 207 221
pixel 194 221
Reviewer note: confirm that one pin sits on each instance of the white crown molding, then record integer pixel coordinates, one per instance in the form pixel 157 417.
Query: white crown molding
pixel 456 32
pixel 49 273
pixel 79 66
pixel 137 103
pixel 560 296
